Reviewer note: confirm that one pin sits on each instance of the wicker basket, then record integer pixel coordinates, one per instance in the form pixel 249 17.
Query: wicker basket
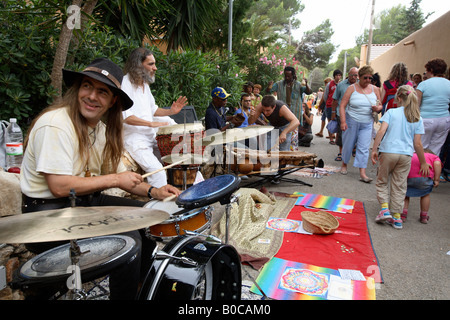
pixel 320 222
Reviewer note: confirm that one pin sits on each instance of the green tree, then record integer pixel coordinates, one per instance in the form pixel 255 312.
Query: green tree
pixel 394 24
pixel 351 61
pixel 315 47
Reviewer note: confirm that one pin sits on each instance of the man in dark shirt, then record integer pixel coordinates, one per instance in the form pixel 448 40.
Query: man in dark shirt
pixel 215 115
pixel 280 117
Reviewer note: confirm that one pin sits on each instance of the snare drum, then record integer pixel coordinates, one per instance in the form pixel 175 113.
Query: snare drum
pixel 170 138
pixel 101 256
pixel 198 220
pixel 194 270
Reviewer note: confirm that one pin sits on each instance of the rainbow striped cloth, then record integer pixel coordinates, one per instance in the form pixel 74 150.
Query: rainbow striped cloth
pixel 288 280
pixel 319 201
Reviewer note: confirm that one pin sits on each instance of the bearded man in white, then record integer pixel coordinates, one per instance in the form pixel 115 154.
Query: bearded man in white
pixel 142 120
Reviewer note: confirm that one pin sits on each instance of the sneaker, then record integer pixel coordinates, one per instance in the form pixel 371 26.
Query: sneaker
pixel 404 216
pixel 424 218
pixel 384 215
pixel 396 223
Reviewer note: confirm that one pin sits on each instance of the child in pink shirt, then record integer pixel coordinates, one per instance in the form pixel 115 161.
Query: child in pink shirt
pixel 419 186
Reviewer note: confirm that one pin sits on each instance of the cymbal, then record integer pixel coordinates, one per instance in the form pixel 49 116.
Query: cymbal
pixel 76 223
pixel 235 134
pixel 189 158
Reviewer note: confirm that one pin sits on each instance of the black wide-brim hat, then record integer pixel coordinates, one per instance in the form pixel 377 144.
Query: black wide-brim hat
pixel 105 71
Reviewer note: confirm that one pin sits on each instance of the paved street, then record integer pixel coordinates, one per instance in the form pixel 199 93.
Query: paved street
pixel 415 261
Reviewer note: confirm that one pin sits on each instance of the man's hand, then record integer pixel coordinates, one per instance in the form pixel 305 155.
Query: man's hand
pixel 178 105
pixel 128 180
pixel 165 192
pixel 282 137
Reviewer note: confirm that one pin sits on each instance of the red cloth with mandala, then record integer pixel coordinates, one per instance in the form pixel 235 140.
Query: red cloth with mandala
pixel 350 249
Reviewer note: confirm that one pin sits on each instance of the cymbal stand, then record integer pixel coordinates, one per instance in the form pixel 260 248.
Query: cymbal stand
pixel 74 283
pixel 233 199
pixel 185 151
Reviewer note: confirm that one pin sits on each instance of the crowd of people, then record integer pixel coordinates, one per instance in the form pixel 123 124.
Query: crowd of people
pixel 416 131
pixel 414 111
pixel 77 144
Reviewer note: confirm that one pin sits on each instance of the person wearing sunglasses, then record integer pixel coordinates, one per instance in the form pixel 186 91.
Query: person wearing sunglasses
pixel 356 107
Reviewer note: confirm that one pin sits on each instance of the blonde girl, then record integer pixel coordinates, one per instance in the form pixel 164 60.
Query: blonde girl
pixel 397 139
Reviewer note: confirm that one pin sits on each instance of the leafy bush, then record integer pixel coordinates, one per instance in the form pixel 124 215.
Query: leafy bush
pixel 26 58
pixel 194 74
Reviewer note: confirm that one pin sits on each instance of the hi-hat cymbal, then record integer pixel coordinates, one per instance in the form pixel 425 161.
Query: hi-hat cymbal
pixel 236 134
pixel 76 223
pixel 187 158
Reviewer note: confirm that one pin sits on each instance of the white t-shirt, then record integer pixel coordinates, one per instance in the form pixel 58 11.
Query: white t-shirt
pixel 53 148
pixel 399 137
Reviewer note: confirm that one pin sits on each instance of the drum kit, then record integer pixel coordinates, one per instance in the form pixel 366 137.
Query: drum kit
pixel 191 265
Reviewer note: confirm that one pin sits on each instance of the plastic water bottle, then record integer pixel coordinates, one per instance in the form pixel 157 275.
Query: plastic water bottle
pixel 14 146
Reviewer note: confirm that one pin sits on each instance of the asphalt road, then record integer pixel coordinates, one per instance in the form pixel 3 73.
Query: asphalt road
pixel 414 261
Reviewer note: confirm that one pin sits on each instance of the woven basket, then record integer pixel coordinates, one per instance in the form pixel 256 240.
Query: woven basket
pixel 320 222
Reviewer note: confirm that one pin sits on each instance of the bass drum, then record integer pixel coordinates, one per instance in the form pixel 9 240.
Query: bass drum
pixel 194 269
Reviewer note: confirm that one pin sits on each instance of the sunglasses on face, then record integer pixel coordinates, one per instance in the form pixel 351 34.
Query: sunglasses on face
pixel 368 77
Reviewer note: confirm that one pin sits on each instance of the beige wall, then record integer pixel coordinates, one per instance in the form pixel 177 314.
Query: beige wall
pixel 432 41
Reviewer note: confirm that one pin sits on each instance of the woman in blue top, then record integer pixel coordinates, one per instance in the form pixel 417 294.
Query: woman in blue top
pixel 398 137
pixel 356 107
pixel 434 99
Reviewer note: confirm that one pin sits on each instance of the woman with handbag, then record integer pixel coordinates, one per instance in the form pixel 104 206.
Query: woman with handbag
pixel 356 107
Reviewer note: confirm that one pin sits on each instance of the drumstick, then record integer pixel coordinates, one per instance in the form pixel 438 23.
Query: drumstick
pixel 163 168
pixel 170 198
pixel 275 145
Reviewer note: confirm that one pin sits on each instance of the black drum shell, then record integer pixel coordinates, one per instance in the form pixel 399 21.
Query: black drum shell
pixel 171 279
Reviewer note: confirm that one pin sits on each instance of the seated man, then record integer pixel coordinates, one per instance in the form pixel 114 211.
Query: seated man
pixel 245 109
pixel 69 148
pixel 280 117
pixel 304 132
pixel 215 115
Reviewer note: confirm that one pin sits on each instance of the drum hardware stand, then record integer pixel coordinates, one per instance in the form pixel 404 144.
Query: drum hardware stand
pixel 256 284
pixel 184 166
pixel 164 255
pixel 208 238
pixel 233 199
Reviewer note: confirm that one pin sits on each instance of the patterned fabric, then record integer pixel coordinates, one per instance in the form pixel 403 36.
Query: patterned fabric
pixel 247 225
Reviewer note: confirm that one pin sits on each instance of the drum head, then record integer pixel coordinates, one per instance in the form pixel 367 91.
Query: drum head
pixel 102 255
pixel 169 206
pixel 181 128
pixel 209 191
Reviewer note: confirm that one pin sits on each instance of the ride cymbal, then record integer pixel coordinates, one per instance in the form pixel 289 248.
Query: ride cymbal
pixel 236 134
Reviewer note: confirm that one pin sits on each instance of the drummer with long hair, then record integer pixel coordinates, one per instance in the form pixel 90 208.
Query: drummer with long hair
pixel 73 152
pixel 142 120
